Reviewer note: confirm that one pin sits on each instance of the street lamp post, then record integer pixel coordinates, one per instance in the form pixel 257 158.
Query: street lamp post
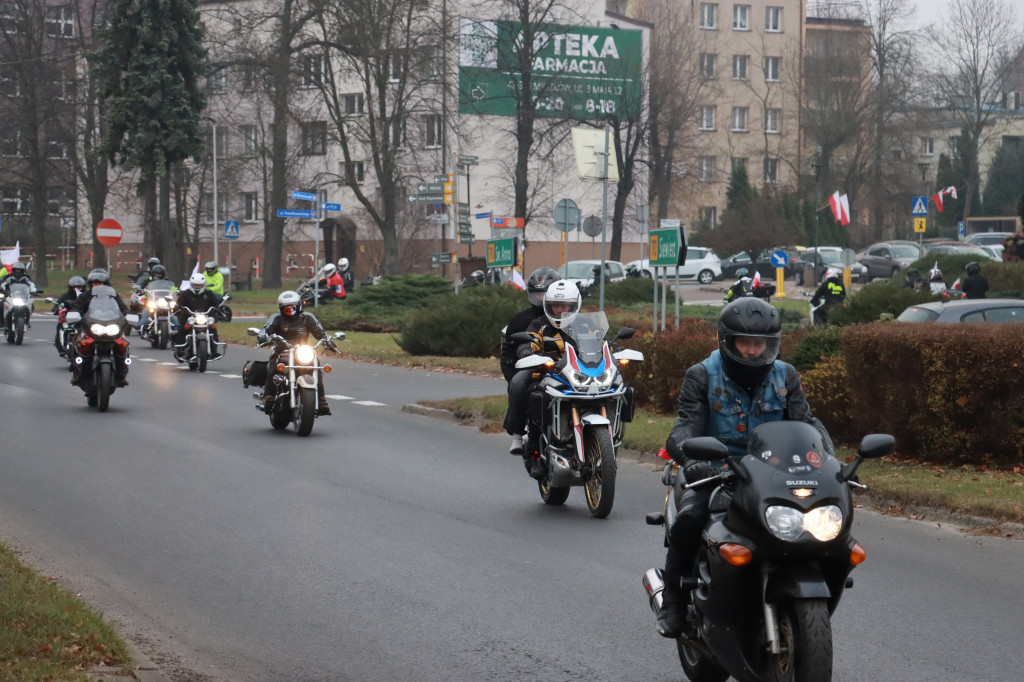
pixel 924 192
pixel 817 166
pixel 213 127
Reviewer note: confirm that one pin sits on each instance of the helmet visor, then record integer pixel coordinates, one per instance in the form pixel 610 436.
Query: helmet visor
pixel 289 310
pixel 752 350
pixel 561 309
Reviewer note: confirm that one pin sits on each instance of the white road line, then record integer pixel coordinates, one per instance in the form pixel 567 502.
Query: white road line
pixel 367 402
pixel 339 397
pixel 143 359
pixel 169 364
pixel 230 376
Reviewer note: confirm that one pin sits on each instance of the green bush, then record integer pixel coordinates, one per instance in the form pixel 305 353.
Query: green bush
pixel 384 306
pixel 467 324
pixel 952 265
pixel 667 355
pixel 627 294
pixel 882 296
pixel 1005 280
pixel 816 346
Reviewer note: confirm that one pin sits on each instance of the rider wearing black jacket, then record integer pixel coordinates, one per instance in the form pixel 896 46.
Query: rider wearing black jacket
pixel 98 278
pixel 295 327
pixel 198 299
pixel 95 278
pixel 75 287
pixel 975 284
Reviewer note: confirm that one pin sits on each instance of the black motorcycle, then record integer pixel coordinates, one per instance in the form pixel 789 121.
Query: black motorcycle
pixel 101 359
pixel 775 557
pixel 199 347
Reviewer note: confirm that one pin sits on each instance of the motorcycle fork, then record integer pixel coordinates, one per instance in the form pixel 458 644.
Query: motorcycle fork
pixel 771 622
pixel 577 427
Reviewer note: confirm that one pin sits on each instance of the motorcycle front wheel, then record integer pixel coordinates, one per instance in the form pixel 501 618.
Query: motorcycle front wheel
pixel 202 356
pixel 600 487
pixel 19 331
pixel 164 334
pixel 307 412
pixel 805 631
pixel 103 387
pixel 154 338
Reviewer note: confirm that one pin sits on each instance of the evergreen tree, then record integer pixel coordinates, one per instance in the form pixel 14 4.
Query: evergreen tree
pixel 1005 180
pixel 151 66
pixel 740 191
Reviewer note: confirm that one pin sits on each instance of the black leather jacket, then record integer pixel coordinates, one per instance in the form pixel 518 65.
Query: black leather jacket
pixel 197 303
pixel 295 329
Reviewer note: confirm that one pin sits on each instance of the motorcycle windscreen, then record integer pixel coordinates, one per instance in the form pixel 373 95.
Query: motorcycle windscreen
pixel 588 331
pixel 103 308
pixel 21 290
pixel 786 445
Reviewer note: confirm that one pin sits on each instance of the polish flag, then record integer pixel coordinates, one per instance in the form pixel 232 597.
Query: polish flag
pixel 757 280
pixel 840 205
pixel 951 191
pixel 833 203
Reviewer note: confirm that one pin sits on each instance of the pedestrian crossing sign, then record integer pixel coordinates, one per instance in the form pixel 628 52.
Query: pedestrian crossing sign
pixel 919 206
pixel 230 229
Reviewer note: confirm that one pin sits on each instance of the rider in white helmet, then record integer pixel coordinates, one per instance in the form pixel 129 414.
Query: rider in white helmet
pixel 198 299
pixel 347 278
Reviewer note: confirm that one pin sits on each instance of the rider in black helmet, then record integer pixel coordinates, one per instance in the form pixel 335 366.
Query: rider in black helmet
pixel 742 384
pixel 975 284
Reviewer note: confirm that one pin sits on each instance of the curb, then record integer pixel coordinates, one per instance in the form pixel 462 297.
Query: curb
pixel 435 412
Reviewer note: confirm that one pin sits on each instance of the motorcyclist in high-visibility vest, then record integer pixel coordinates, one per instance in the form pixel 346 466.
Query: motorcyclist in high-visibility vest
pixel 831 293
pixel 214 280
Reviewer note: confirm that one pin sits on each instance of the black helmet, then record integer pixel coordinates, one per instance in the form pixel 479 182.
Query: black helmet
pixel 912 273
pixel 973 268
pixel 540 280
pixel 98 276
pixel 749 317
pixel 159 271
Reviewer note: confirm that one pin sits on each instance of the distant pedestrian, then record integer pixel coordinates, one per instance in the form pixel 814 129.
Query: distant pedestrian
pixel 975 284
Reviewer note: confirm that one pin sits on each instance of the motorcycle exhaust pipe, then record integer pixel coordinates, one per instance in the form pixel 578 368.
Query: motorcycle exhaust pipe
pixel 654 585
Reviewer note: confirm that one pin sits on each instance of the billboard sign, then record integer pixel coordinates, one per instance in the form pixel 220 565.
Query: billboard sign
pixel 578 72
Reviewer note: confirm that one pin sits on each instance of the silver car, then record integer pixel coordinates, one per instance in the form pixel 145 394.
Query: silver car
pixel 997 310
pixel 702 264
pixel 886 259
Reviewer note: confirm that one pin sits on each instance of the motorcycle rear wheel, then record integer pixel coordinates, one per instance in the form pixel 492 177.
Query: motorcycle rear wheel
pixel 307 412
pixel 552 494
pixel 600 487
pixel 164 334
pixel 19 331
pixel 805 630
pixel 103 387
pixel 700 668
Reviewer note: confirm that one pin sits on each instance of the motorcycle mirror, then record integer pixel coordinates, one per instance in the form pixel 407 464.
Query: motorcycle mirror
pixel 625 333
pixel 39 292
pixel 73 317
pixel 252 331
pixel 131 318
pixel 875 445
pixel 339 335
pixel 227 297
pixel 705 448
pixel 50 300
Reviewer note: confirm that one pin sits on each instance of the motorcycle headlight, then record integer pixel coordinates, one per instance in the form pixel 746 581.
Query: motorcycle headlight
pixel 200 319
pixel 787 523
pixel 105 329
pixel 151 305
pixel 305 355
pixel 17 301
pixel 162 304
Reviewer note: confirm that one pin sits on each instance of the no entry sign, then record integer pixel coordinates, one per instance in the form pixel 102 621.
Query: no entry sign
pixel 108 232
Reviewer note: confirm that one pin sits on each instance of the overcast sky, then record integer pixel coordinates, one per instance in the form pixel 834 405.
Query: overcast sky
pixel 931 11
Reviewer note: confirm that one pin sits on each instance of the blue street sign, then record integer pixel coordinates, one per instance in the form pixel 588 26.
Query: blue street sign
pixel 308 196
pixel 961 228
pixel 779 258
pixel 331 207
pixel 230 229
pixel 483 215
pixel 919 206
pixel 290 213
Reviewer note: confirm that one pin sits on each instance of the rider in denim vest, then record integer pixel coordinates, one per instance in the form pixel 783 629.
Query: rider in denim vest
pixel 741 385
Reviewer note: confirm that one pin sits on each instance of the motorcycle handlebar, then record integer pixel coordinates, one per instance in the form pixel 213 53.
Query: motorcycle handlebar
pixel 724 476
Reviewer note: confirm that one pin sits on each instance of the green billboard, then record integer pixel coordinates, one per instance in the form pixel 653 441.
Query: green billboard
pixel 577 72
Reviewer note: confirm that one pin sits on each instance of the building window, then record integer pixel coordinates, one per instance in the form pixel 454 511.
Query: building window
pixel 10 83
pixel 394 67
pixel 60 21
pixel 218 80
pixel 739 119
pixel 59 201
pixel 927 146
pixel 9 18
pixel 772 68
pixel 708 65
pixel 396 134
pixel 312 70
pixel 709 15
pixel 206 210
pixel 57 147
pixel 738 162
pixel 773 19
pixel 251 207
pixel 222 140
pixel 739 66
pixel 435 131
pixel 250 139
pixel 12 145
pixel 954 147
pixel 707 118
pixel 771 120
pixel 355 171
pixel 248 78
pixel 353 103
pixel 707 168
pixel 709 216
pixel 314 138
pixel 771 170
pixel 741 17
pixel 14 201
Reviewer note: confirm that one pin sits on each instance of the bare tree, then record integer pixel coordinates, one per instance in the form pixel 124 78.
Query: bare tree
pixel 975 50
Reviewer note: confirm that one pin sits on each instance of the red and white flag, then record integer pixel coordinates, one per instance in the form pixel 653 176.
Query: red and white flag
pixel 757 280
pixel 951 191
pixel 840 205
pixel 11 256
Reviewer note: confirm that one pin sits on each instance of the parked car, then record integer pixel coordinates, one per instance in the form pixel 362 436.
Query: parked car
pixel 581 272
pixel 826 257
pixel 995 251
pixel 886 259
pixel 764 265
pixel 986 238
pixel 998 310
pixel 702 264
pixel 956 248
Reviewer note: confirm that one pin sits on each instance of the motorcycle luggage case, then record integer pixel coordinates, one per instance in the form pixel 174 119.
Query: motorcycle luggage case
pixel 254 373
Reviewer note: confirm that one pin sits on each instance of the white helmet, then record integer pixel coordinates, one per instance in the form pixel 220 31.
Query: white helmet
pixel 562 303
pixel 832 272
pixel 197 282
pixel 329 270
pixel 289 303
pixel 343 264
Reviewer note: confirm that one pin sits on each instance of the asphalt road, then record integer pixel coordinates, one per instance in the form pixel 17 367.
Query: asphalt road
pixel 390 546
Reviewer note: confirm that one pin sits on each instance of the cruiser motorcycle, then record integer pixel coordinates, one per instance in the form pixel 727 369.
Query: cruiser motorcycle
pixel 295 385
pixel 578 411
pixel 159 302
pixel 776 554
pixel 101 359
pixel 199 347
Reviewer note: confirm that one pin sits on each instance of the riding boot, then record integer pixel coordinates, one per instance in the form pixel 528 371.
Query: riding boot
pixel 672 620
pixel 323 409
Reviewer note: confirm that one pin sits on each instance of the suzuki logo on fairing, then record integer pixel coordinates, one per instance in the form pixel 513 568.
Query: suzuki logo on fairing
pixel 803 483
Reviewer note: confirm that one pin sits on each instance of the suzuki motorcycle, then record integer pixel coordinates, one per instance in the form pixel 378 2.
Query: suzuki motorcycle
pixel 295 386
pixel 776 554
pixel 199 347
pixel 17 311
pixel 580 406
pixel 66 332
pixel 160 303
pixel 101 359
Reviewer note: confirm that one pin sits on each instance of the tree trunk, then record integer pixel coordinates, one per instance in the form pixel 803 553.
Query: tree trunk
pixel 173 258
pixel 273 239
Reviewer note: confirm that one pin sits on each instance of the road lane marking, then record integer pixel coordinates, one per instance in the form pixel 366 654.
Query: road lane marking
pixel 230 376
pixel 339 397
pixel 367 402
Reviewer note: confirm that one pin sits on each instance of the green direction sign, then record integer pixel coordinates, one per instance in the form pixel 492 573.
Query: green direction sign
pixel 578 72
pixel 434 187
pixel 665 247
pixel 501 253
pixel 438 258
pixel 427 198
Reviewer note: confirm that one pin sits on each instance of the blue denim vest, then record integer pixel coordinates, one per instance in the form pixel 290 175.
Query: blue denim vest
pixel 732 413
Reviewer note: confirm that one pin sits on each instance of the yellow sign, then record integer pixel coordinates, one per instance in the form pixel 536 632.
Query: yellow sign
pixel 919 224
